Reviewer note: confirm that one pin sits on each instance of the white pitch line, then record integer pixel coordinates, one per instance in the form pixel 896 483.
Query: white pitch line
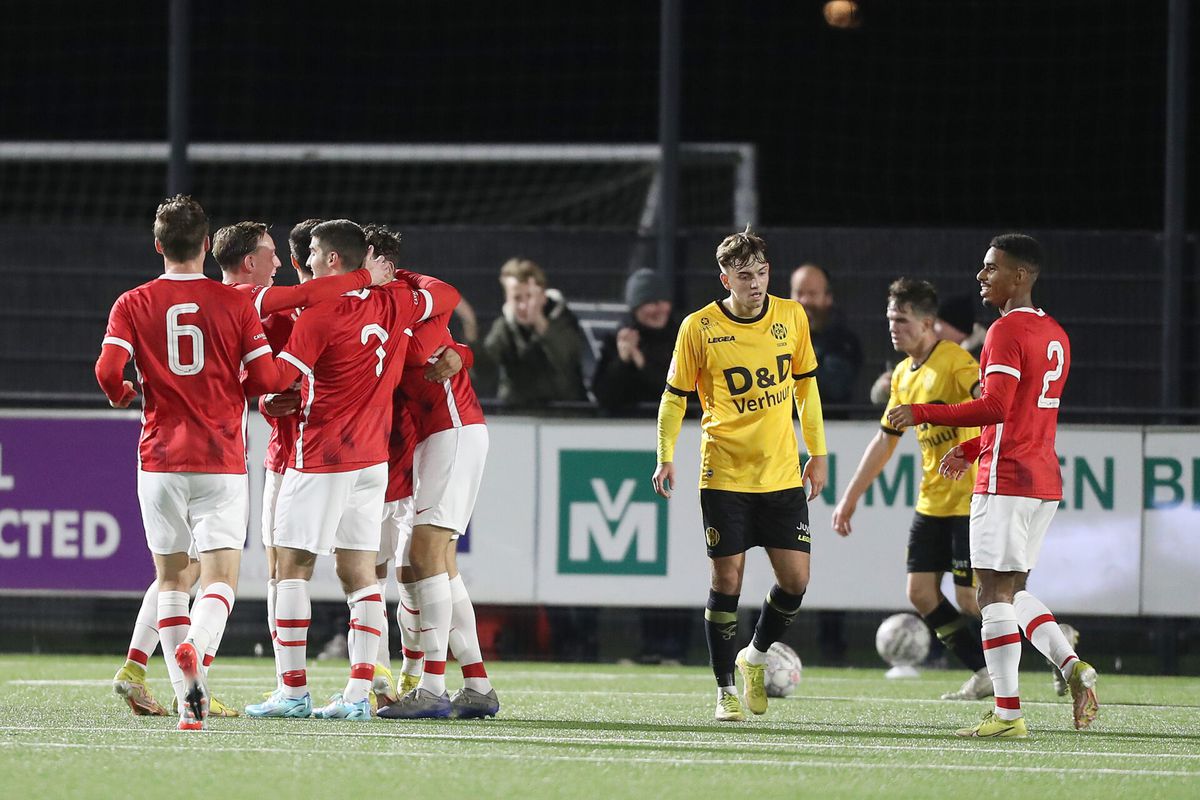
pixel 796 745
pixel 670 762
pixel 252 684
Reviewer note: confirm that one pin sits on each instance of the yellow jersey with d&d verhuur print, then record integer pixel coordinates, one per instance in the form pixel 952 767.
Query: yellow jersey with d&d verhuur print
pixel 744 371
pixel 949 374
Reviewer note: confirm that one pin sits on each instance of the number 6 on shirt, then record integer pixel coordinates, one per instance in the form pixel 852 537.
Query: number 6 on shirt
pixel 175 332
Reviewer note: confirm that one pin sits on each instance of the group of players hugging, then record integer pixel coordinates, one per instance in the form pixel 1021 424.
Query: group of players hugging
pixel 376 454
pixel 378 445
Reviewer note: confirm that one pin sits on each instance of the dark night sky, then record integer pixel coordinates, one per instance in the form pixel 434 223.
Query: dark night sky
pixel 935 112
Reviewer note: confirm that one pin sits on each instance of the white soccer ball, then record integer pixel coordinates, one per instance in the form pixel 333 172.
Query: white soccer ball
pixel 902 640
pixel 783 670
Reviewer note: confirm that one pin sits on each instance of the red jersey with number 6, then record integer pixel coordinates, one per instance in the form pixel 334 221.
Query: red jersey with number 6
pixel 190 337
pixel 1017 456
pixel 350 353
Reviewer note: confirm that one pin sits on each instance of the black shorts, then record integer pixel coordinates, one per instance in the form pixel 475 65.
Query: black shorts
pixel 736 521
pixel 941 544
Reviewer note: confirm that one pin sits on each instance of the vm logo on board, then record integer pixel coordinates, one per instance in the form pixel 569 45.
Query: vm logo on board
pixel 610 521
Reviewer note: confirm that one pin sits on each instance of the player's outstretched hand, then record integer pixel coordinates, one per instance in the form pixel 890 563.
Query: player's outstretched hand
pixel 663 479
pixel 816 473
pixel 842 515
pixel 447 364
pixel 954 464
pixel 382 271
pixel 901 417
pixel 281 404
pixel 127 395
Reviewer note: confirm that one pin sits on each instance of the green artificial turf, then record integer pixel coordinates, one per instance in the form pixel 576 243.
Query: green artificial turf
pixel 599 731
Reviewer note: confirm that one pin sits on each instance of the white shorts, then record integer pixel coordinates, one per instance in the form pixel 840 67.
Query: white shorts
pixel 271 483
pixel 194 512
pixel 320 512
pixel 395 532
pixel 447 471
pixel 1007 532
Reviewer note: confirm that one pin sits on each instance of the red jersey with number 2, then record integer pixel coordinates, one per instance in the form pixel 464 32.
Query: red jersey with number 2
pixel 1017 456
pixel 189 337
pixel 350 353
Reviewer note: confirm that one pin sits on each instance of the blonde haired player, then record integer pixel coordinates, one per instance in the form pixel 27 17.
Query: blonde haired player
pixel 750 359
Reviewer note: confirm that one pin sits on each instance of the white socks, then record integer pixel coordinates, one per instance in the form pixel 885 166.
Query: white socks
pixel 1002 653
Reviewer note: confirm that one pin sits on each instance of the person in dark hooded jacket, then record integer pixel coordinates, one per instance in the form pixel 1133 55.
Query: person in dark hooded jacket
pixel 634 359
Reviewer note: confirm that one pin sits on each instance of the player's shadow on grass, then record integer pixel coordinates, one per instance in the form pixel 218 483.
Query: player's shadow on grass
pixel 762 728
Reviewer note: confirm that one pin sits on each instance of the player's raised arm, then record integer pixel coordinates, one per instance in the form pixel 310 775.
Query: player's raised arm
pixel 999 389
pixel 439 296
pixel 318 290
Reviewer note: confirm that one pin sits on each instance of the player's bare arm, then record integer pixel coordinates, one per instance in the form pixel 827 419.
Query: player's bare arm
pixel 877 454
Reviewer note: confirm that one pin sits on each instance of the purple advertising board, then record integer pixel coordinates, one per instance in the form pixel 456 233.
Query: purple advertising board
pixel 69 516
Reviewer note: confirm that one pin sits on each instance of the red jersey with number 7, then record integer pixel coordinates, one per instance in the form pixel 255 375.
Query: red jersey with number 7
pixel 1017 456
pixel 350 353
pixel 190 337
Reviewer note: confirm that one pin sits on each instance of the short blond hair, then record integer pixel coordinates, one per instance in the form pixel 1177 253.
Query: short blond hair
pixel 523 269
pixel 741 249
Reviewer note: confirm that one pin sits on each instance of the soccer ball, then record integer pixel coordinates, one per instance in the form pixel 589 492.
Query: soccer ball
pixel 783 670
pixel 902 640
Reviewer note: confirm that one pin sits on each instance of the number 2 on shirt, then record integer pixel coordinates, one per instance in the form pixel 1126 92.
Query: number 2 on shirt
pixel 1054 353
pixel 376 330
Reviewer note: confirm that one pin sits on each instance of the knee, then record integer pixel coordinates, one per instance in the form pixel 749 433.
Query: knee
pixel 793 584
pixel 923 598
pixel 726 582
pixel 968 603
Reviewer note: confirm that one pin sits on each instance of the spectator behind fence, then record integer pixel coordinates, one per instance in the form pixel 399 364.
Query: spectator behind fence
pixel 464 327
pixel 956 322
pixel 839 353
pixel 536 342
pixel 634 359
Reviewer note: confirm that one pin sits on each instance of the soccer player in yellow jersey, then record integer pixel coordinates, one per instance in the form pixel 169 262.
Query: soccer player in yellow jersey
pixel 749 357
pixel 936 371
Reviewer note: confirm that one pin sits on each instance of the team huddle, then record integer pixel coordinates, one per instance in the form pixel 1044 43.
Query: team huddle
pixel 378 444
pixel 376 454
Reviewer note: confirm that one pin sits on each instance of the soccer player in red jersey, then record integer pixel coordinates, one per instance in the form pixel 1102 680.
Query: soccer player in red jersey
pixel 191 339
pixel 1024 365
pixel 451 444
pixel 349 355
pixel 246 254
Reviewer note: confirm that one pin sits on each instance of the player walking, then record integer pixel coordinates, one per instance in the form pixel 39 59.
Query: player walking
pixel 1025 361
pixel 191 338
pixel 935 371
pixel 749 357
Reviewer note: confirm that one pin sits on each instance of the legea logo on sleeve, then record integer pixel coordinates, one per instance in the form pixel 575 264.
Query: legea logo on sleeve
pixel 610 521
